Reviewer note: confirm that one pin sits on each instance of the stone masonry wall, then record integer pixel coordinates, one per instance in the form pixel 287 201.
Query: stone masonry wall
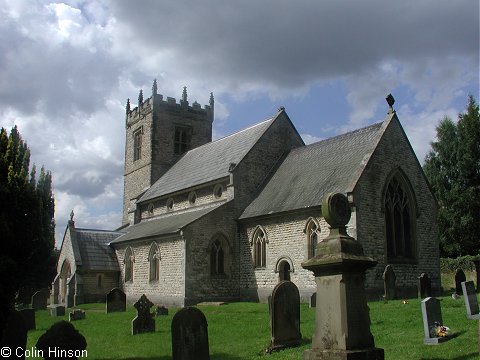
pixel 393 152
pixel 93 292
pixel 170 288
pixel 67 253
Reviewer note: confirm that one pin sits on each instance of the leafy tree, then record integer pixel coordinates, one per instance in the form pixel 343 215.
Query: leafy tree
pixel 26 222
pixel 453 170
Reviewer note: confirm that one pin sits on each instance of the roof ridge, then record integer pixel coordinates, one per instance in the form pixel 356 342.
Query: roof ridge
pixel 97 230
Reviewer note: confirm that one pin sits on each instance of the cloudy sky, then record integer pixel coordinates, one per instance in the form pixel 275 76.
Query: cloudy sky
pixel 67 68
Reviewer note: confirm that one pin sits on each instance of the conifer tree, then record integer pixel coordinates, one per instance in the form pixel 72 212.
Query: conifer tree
pixel 453 170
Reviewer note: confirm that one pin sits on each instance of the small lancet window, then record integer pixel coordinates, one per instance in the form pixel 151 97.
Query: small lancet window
pixel 311 230
pixel 128 261
pixel 154 262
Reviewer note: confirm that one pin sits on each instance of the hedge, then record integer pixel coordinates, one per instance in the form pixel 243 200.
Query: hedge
pixel 464 262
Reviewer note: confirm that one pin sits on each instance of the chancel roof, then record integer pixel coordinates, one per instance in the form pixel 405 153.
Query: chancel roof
pixel 208 162
pixel 92 251
pixel 165 225
pixel 309 173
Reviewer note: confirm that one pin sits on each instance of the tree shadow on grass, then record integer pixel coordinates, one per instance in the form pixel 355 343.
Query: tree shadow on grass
pixel 470 356
pixel 217 356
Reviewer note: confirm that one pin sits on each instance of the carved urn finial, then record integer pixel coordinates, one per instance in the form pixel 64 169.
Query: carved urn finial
pixel 127 107
pixel 390 101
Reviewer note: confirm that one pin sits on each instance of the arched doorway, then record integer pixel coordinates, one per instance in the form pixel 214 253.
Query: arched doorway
pixel 65 275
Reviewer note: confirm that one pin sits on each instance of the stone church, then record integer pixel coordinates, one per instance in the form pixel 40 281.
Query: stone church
pixel 226 220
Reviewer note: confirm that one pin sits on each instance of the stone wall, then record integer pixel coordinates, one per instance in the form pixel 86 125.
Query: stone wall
pixel 66 252
pixel 394 153
pixel 91 289
pixel 170 288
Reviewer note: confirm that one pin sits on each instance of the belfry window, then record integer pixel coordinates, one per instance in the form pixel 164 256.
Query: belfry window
pixel 399 219
pixel 154 262
pixel 183 136
pixel 259 243
pixel 217 258
pixel 137 144
pixel 128 261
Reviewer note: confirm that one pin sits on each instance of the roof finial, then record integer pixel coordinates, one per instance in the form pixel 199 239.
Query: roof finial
pixel 154 87
pixel 140 97
pixel 72 214
pixel 281 108
pixel 127 107
pixel 390 102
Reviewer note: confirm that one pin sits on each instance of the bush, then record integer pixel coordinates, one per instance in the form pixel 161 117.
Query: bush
pixel 463 262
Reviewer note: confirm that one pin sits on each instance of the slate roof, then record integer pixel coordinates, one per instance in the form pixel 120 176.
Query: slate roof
pixel 169 224
pixel 95 254
pixel 310 172
pixel 208 162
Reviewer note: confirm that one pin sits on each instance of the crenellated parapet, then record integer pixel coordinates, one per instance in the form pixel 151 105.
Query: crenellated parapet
pixel 157 101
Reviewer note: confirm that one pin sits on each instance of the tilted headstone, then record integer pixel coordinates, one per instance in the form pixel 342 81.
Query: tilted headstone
pixel 57 310
pixel 116 301
pixel 39 299
pixel 432 316
pixel 313 300
pixel 144 321
pixel 29 318
pixel 424 286
pixel 470 298
pixel 62 338
pixel 190 335
pixel 285 316
pixel 14 335
pixel 76 314
pixel 161 311
pixel 459 278
pixel 389 279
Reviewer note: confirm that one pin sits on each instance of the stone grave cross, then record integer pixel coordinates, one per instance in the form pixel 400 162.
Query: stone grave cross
pixel 144 322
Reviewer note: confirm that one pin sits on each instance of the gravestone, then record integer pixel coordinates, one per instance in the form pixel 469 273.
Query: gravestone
pixel 470 298
pixel 14 335
pixel 116 301
pixel 144 321
pixel 459 278
pixel 57 310
pixel 190 335
pixel 477 268
pixel 389 279
pixel 62 338
pixel 313 300
pixel 39 299
pixel 29 318
pixel 161 311
pixel 424 286
pixel 432 316
pixel 76 314
pixel 285 316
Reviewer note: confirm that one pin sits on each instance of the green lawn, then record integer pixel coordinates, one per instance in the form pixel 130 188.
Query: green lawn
pixel 242 331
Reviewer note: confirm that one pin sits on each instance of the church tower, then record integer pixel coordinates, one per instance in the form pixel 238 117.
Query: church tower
pixel 158 132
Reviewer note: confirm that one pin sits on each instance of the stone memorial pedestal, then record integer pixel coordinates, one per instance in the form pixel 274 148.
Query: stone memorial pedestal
pixel 342 324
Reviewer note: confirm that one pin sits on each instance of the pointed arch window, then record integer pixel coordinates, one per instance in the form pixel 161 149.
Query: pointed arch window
pixel 259 244
pixel 217 260
pixel 154 262
pixel 312 229
pixel 128 261
pixel 399 219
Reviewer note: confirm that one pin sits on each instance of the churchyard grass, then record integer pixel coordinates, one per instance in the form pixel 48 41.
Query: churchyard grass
pixel 241 330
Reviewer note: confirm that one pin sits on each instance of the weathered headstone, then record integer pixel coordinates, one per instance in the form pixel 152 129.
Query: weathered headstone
pixel 14 335
pixel 190 335
pixel 161 311
pixel 116 301
pixel 39 299
pixel 477 268
pixel 389 279
pixel 285 316
pixel 342 321
pixel 29 318
pixel 76 314
pixel 424 286
pixel 432 316
pixel 62 339
pixel 57 310
pixel 144 321
pixel 313 300
pixel 459 278
pixel 470 298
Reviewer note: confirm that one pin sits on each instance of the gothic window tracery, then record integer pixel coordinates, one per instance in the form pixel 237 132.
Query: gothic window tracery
pixel 311 230
pixel 154 262
pixel 399 219
pixel 137 144
pixel 259 243
pixel 217 261
pixel 182 139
